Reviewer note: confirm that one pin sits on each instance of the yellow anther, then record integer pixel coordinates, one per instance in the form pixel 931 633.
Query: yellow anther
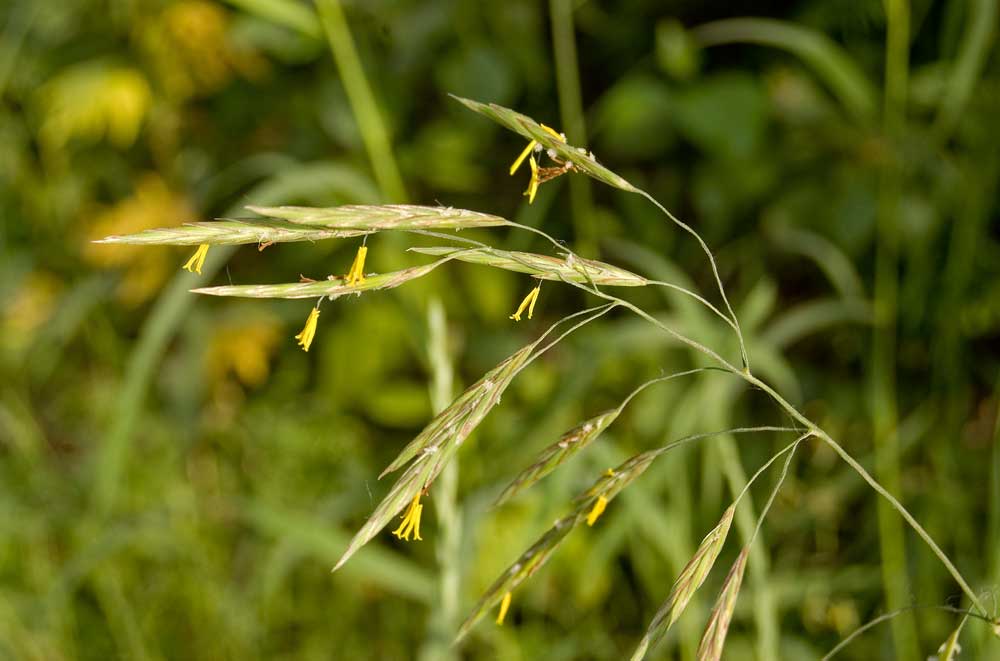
pixel 357 273
pixel 533 184
pixel 597 510
pixel 554 133
pixel 528 302
pixel 305 337
pixel 504 605
pixel 524 155
pixel 411 521
pixel 197 259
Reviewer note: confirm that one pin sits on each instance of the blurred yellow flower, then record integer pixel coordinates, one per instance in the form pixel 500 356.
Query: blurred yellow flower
pixel 93 101
pixel 31 306
pixel 192 51
pixel 152 204
pixel 308 332
pixel 243 349
pixel 411 521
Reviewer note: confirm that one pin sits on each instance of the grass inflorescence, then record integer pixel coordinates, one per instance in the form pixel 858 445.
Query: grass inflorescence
pixel 422 461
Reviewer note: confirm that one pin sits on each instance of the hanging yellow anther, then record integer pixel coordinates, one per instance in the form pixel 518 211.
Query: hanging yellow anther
pixel 533 184
pixel 528 302
pixel 305 337
pixel 357 273
pixel 524 155
pixel 197 259
pixel 533 144
pixel 411 521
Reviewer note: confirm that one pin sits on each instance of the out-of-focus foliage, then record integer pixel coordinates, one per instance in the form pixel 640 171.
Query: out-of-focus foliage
pixel 177 477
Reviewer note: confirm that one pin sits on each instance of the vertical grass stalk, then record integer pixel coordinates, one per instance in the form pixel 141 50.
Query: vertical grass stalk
pixel 445 619
pixel 571 114
pixel 362 100
pixel 883 363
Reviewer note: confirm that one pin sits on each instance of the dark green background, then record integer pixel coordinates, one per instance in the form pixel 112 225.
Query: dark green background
pixel 177 477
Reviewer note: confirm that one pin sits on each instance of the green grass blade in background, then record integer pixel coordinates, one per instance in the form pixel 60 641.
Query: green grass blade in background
pixel 838 70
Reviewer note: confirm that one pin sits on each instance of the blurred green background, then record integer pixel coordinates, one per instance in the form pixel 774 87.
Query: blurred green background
pixel 177 477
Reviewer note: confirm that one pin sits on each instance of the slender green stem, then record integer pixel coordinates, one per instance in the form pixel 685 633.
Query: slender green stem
pixel 816 430
pixel 892 541
pixel 446 616
pixel 874 484
pixel 892 615
pixel 715 271
pixel 571 111
pixel 362 100
pixel 981 27
pixel 760 471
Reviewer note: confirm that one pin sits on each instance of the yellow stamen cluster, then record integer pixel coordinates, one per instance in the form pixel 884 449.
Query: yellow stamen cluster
pixel 411 521
pixel 305 337
pixel 533 184
pixel 597 510
pixel 534 146
pixel 357 273
pixel 504 605
pixel 197 259
pixel 528 302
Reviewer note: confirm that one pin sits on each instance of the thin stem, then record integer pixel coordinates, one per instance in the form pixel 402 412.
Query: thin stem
pixel 715 271
pixel 891 615
pixel 362 100
pixel 449 512
pixel 598 312
pixel 679 336
pixel 697 297
pixel 777 487
pixel 884 405
pixel 896 505
pixel 661 379
pixel 817 431
pixel 571 112
pixel 707 434
pixel 761 470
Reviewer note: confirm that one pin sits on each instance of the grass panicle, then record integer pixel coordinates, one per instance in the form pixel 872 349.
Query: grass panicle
pixel 332 287
pixel 431 450
pixel 454 424
pixel 570 443
pixel 544 267
pixel 380 217
pixel 582 160
pixel 261 231
pixel 690 579
pixel 714 639
pixel 575 440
